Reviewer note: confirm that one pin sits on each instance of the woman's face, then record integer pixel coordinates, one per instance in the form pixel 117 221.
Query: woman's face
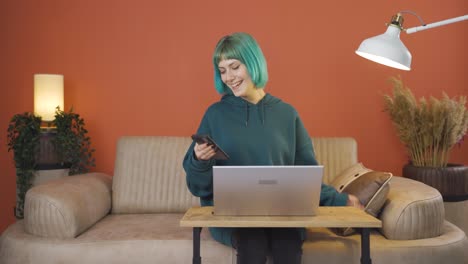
pixel 235 75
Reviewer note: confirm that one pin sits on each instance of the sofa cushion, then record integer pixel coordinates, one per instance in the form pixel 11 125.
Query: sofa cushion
pixel 116 239
pixel 336 154
pixel 140 239
pixel 413 210
pixel 66 207
pixel 149 177
pixel 324 246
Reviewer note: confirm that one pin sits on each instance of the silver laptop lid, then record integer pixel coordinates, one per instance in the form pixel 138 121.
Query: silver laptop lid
pixel 266 190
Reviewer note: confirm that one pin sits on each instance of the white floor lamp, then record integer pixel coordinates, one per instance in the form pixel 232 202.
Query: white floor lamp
pixel 388 49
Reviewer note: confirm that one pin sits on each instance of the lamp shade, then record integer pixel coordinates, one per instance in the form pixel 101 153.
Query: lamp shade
pixel 48 94
pixel 386 49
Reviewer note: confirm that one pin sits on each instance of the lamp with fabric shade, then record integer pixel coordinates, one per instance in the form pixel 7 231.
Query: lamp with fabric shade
pixel 48 94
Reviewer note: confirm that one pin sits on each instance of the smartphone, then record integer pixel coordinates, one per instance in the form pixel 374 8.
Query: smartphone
pixel 201 139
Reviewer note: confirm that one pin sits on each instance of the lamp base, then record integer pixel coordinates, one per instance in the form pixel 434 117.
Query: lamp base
pixel 47 126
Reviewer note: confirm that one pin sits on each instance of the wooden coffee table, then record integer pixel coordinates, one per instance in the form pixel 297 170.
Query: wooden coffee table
pixel 199 217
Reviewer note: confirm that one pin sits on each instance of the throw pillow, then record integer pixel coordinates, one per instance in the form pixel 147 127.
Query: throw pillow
pixel 370 187
pixel 348 175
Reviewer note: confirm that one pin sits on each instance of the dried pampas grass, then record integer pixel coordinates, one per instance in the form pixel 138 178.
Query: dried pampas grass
pixel 428 128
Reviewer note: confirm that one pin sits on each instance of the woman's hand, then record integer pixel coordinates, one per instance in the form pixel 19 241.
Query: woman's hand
pixel 204 151
pixel 354 201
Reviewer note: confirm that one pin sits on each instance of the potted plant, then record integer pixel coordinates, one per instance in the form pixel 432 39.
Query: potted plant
pixel 23 138
pixel 429 129
pixel 71 143
pixel 71 148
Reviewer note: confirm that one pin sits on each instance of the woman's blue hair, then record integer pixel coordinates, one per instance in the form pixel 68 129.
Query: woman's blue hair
pixel 242 47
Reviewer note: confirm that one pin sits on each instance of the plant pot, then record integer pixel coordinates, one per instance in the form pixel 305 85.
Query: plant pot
pixel 451 181
pixel 46 157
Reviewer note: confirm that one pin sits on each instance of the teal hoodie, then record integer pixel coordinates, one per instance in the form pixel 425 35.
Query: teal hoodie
pixel 267 133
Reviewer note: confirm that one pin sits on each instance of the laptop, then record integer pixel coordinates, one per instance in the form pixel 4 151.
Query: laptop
pixel 266 190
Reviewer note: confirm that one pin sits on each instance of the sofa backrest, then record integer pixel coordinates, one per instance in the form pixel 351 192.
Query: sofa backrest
pixel 336 154
pixel 149 178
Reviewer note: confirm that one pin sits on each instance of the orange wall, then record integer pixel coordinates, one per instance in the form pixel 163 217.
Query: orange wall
pixel 143 67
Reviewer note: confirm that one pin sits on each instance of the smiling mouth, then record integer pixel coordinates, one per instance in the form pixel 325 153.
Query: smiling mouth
pixel 236 85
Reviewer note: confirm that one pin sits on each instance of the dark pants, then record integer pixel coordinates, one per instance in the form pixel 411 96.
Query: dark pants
pixel 254 244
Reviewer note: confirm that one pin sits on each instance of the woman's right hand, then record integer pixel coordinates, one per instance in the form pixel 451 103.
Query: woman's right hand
pixel 204 151
pixel 354 201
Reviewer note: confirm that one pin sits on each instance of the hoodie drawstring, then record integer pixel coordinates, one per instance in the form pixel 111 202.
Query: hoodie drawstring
pixel 261 109
pixel 263 113
pixel 247 117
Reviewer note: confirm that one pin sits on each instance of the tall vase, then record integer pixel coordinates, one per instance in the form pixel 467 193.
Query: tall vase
pixel 451 181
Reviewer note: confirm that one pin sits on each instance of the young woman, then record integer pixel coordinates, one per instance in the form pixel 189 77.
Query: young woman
pixel 254 128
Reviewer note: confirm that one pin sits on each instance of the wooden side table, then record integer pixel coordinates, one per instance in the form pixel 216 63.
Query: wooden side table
pixel 199 217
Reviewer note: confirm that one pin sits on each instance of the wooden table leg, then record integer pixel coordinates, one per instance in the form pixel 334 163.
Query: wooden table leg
pixel 365 246
pixel 196 245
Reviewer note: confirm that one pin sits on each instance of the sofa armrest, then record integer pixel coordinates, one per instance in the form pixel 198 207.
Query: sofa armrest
pixel 413 210
pixel 66 207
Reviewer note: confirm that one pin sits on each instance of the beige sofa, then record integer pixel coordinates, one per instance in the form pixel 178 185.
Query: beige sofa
pixel 134 216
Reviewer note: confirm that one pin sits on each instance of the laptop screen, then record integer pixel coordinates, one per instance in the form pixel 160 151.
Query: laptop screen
pixel 266 190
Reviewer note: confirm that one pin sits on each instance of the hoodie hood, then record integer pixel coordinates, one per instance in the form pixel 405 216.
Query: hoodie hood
pixel 237 102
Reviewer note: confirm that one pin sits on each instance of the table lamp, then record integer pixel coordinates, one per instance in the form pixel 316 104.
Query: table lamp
pixel 48 94
pixel 388 49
